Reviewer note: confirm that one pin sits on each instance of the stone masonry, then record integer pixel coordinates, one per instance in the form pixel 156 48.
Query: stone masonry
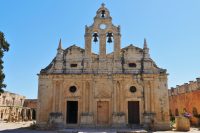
pixel 117 89
pixel 185 97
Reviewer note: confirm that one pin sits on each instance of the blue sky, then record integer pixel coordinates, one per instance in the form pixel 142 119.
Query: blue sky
pixel 33 29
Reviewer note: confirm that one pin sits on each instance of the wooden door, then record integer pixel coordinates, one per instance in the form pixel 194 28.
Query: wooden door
pixel 133 112
pixel 102 112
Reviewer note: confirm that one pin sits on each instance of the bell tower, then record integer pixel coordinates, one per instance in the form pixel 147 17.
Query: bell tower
pixel 105 32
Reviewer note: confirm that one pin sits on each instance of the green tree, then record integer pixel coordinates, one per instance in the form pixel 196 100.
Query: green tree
pixel 4 47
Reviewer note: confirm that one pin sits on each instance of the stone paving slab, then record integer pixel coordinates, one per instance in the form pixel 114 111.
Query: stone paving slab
pixel 22 127
pixel 102 131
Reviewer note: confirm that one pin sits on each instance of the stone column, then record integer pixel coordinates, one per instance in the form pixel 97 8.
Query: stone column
pixel 115 97
pixel 91 97
pixel 152 101
pixel 88 43
pixel 31 114
pixel 121 97
pixel 54 96
pixel 147 102
pixel 84 95
pixel 61 97
pixel 118 98
pixel 57 96
pixel 117 42
pixel 87 96
pixel 102 47
pixel 24 115
pixel 147 96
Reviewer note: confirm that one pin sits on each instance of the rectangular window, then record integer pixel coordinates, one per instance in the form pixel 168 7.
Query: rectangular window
pixel 73 65
pixel 132 65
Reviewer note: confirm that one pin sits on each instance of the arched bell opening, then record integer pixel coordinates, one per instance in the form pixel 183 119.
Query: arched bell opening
pixel 95 43
pixel 109 43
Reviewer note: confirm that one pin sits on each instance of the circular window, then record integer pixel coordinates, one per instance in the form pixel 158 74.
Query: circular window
pixel 72 89
pixel 103 26
pixel 133 89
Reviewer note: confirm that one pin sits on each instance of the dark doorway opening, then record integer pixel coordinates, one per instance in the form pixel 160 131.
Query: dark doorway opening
pixel 72 112
pixel 133 112
pixel 33 114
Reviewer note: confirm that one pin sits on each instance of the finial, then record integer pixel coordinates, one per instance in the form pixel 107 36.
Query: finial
pixel 145 43
pixel 60 44
pixel 102 4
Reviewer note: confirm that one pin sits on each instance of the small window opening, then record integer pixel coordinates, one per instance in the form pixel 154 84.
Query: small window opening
pixel 72 89
pixel 73 65
pixel 132 89
pixel 132 65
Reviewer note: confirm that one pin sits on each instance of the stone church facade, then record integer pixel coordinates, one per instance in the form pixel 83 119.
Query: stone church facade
pixel 120 88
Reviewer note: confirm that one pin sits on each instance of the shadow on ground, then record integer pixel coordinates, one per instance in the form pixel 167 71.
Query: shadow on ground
pixel 25 130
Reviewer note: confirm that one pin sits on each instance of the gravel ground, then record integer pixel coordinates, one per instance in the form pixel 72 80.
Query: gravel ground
pixel 23 127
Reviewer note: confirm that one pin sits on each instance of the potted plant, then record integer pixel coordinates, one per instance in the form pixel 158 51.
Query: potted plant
pixel 183 122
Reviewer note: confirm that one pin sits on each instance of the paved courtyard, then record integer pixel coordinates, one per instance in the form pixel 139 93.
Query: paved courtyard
pixel 24 127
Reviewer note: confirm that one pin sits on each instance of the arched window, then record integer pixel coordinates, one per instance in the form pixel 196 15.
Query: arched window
pixel 176 112
pixel 194 111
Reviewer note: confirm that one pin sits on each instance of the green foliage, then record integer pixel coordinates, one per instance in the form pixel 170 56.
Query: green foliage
pixel 172 118
pixel 4 47
pixel 172 122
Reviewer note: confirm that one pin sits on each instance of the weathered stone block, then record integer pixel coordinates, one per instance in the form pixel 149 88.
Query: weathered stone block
pixel 118 119
pixel 56 120
pixel 87 119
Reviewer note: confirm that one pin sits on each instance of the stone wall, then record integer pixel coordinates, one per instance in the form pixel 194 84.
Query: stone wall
pixel 114 89
pixel 11 106
pixel 185 97
pixel 12 109
pixel 32 104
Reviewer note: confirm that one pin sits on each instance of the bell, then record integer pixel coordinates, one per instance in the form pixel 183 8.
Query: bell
pixel 109 40
pixel 95 35
pixel 109 35
pixel 103 13
pixel 95 39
